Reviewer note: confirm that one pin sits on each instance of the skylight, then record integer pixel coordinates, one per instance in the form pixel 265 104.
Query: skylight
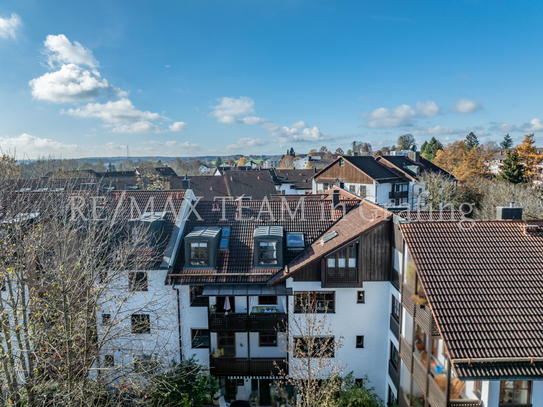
pixel 225 238
pixel 295 239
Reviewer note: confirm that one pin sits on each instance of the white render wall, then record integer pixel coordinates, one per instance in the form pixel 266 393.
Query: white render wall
pixel 351 319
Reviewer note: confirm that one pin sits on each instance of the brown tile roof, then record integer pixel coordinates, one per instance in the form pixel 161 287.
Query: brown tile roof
pixel 300 179
pixel 238 259
pixel 485 288
pixel 424 216
pixel 357 221
pixel 401 163
pixel 256 183
pixel 208 187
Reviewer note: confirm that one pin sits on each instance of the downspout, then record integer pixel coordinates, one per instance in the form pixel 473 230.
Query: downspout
pixel 179 322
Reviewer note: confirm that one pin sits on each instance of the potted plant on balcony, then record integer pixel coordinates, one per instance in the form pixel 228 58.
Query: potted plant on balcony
pixel 216 398
pixel 219 353
pixel 420 301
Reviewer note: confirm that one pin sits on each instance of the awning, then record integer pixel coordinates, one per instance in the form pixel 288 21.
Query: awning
pixel 242 290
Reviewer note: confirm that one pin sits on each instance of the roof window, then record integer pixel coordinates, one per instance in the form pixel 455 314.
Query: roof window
pixel 268 246
pixel 201 246
pixel 295 240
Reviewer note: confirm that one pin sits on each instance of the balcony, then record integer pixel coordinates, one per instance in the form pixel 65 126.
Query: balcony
pixel 394 326
pixel 255 322
pixel 398 194
pixel 422 313
pixel 393 373
pixel 227 366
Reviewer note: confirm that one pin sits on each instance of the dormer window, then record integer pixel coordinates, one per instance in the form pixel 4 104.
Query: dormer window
pixel 201 247
pixel 146 230
pixel 199 255
pixel 268 253
pixel 341 266
pixel 268 246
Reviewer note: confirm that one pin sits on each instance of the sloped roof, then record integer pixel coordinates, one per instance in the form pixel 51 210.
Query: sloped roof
pixel 236 263
pixel 369 166
pixel 256 184
pixel 484 285
pixel 402 162
pixel 300 179
pixel 208 187
pixel 355 222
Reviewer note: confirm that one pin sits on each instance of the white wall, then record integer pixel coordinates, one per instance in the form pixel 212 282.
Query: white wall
pixel 279 351
pixel 351 319
pixel 192 318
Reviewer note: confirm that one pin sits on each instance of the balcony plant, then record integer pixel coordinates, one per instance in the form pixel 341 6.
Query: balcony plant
pixel 219 353
pixel 420 301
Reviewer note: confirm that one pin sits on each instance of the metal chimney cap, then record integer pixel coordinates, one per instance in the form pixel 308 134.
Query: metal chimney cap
pixel 511 204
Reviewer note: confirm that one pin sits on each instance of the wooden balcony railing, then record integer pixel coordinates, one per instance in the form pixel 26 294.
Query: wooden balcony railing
pixel 407 301
pixel 256 322
pixel 420 375
pixel 394 326
pixel 227 366
pixel 421 313
pixel 406 353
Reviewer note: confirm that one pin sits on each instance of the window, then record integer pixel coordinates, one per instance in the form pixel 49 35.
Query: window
pixel 314 347
pixel 477 388
pixel 267 339
pixel 225 238
pixel 106 319
pixel 395 308
pixel 352 188
pixel 295 240
pixel 267 300
pixel 362 193
pixel 195 299
pixel 360 341
pixel 141 324
pixel 342 163
pixel 200 338
pixel 514 392
pixel 199 254
pixel 341 266
pixel 393 355
pixel 267 252
pixel 314 301
pixel 391 397
pixel 137 281
pixel 360 297
pixel 227 342
pixel 109 361
pixel 138 235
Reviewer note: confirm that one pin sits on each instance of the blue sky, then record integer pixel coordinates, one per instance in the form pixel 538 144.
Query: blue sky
pixel 210 77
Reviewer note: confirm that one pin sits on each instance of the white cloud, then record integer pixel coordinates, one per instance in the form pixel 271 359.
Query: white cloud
pixel 533 126
pixel 401 116
pixel 465 106
pixel 9 26
pixel 32 146
pixel 59 49
pixel 178 126
pixel 118 112
pixel 504 128
pixel 228 110
pixel 297 132
pixel 72 84
pixel 142 127
pixel 436 131
pixel 243 143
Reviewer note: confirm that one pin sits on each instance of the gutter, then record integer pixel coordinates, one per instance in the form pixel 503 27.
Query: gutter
pixel 492 360
pixel 179 322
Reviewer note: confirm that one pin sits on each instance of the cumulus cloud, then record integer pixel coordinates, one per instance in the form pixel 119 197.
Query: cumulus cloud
pixel 436 131
pixel 178 126
pixel 10 26
pixel 401 116
pixel 118 112
pixel 534 126
pixel 504 128
pixel 72 84
pixel 33 146
pixel 142 127
pixel 297 132
pixel 229 109
pixel 59 49
pixel 465 106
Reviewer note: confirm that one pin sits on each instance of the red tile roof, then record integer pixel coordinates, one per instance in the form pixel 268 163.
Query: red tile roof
pixel 485 288
pixel 238 259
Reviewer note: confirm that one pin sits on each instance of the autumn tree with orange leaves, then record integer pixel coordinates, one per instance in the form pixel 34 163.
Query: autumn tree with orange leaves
pixel 465 163
pixel 529 157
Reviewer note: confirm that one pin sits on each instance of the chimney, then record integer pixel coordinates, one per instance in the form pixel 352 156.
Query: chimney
pixel 335 197
pixel 186 182
pixel 355 153
pixel 414 156
pixel 509 212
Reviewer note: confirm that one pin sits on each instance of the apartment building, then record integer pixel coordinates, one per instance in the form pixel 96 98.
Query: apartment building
pixel 470 331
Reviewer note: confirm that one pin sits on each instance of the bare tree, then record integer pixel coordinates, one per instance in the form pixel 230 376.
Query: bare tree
pixel 71 268
pixel 313 369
